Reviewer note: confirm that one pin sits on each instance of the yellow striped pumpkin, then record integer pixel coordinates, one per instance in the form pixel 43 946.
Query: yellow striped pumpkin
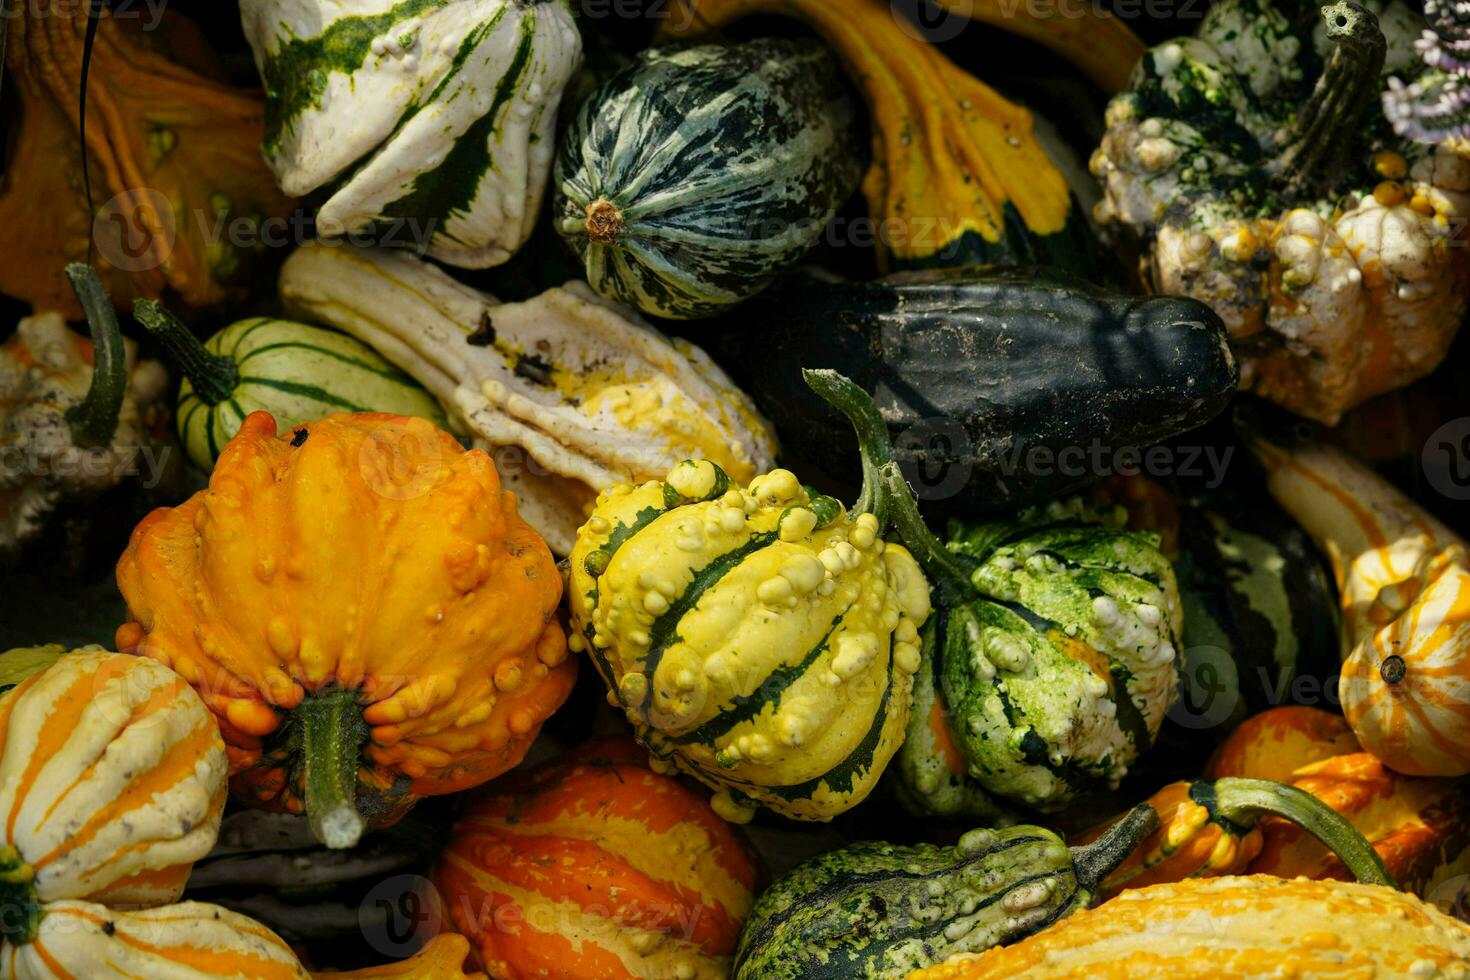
pixel 1248 928
pixel 188 941
pixel 595 866
pixel 112 783
pixel 1404 582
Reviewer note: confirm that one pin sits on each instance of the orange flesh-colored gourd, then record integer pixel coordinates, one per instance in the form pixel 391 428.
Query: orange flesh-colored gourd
pixel 948 151
pixel 174 159
pixel 593 866
pixel 442 958
pixel 1277 742
pixel 1243 928
pixel 359 553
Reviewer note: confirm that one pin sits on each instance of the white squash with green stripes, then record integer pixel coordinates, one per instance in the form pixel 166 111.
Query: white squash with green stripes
pixel 296 372
pixel 428 122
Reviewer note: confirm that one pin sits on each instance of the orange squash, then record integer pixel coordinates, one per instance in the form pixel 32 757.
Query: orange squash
pixel 177 179
pixel 112 784
pixel 363 609
pixel 442 958
pixel 1420 827
pixel 1250 928
pixel 594 866
pixel 1210 828
pixel 1276 743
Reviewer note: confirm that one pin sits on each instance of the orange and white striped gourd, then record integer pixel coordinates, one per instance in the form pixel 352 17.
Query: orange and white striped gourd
pixel 1404 582
pixel 1243 928
pixel 442 958
pixel 593 865
pixel 112 783
pixel 188 941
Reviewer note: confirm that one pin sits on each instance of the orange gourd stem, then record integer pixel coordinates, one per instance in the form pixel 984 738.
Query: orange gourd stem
pixel 93 420
pixel 22 910
pixel 1241 801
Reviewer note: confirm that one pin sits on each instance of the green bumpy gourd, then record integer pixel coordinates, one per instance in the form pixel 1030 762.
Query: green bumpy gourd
pixel 1059 670
pixel 876 910
pixel 929 776
pixel 1056 637
pixel 761 638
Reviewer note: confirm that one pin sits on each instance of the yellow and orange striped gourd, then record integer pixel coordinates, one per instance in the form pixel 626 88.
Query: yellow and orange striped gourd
pixel 1404 581
pixel 112 783
pixel 1277 742
pixel 593 865
pixel 364 610
pixel 1243 928
pixel 187 941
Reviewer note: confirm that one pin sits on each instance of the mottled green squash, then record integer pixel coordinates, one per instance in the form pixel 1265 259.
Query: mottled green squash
pixel 691 179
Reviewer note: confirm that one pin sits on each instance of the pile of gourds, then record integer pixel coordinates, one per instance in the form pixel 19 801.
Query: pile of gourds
pixel 811 548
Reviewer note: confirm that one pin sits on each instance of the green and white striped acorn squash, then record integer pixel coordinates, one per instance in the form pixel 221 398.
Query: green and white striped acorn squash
pixel 1059 667
pixel 296 372
pixel 929 776
pixel 876 910
pixel 762 639
pixel 692 178
pixel 430 123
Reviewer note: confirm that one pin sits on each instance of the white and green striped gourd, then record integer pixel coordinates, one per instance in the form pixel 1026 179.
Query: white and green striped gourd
pixel 296 372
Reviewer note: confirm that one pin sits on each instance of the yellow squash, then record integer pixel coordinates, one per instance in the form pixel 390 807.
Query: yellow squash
pixel 1249 928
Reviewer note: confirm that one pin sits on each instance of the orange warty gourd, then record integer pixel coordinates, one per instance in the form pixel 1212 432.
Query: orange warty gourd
pixel 442 958
pixel 188 941
pixel 1276 743
pixel 362 608
pixel 112 783
pixel 1247 928
pixel 593 867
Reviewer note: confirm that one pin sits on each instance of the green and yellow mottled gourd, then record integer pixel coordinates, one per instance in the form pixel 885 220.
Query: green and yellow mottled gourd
pixel 1250 928
pixel 875 910
pixel 763 639
pixel 297 373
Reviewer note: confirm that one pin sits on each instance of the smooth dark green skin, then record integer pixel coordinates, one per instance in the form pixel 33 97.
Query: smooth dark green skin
pixel 974 369
pixel 1303 585
pixel 851 913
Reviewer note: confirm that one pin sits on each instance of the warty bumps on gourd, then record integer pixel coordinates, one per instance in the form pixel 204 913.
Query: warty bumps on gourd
pixel 363 609
pixel 1254 162
pixel 430 120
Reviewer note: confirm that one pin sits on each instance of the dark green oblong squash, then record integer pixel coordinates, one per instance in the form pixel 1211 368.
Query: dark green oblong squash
pixel 694 176
pixel 998 386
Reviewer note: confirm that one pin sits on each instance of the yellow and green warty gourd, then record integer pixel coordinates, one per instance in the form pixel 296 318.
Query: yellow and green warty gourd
pixel 763 638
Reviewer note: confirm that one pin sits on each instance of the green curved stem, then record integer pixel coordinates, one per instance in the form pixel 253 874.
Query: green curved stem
pixel 93 420
pixel 1241 801
pixel 1094 862
pixel 20 909
pixel 886 494
pixel 1317 141
pixel 214 376
pixel 332 733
